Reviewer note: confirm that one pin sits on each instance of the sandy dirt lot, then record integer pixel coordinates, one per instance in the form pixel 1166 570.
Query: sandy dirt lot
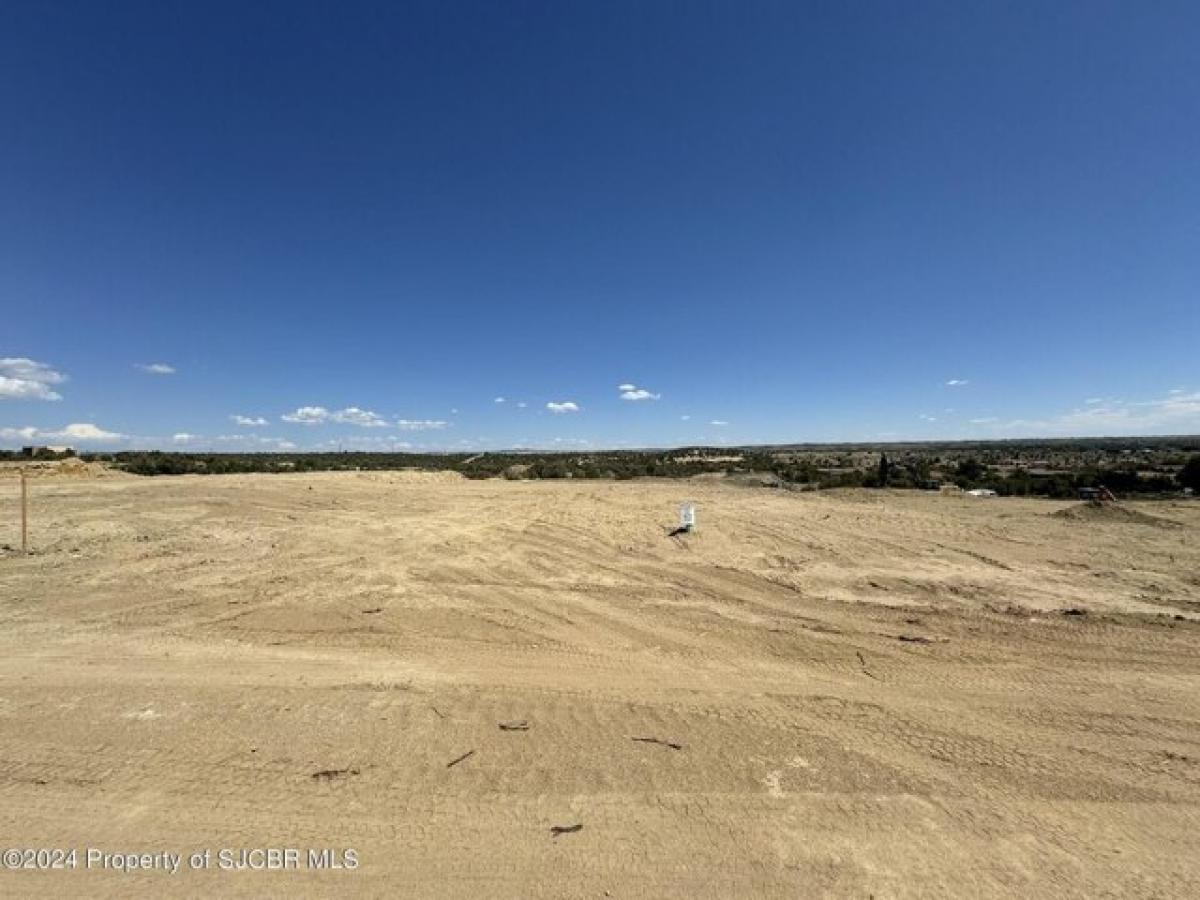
pixel 849 694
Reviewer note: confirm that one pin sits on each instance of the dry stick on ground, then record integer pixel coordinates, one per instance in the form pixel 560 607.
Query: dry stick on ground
pixel 455 762
pixel 514 726
pixel 556 830
pixel 330 774
pixel 440 714
pixel 863 662
pixel 654 740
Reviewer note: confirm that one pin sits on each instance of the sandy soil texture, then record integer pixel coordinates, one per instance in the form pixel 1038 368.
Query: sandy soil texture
pixel 883 694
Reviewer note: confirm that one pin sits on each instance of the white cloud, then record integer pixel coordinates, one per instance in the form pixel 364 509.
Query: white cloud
pixel 454 412
pixel 421 424
pixel 30 370
pixel 522 405
pixel 719 423
pixel 85 431
pixel 957 382
pixel 1172 414
pixel 1092 401
pixel 21 389
pixel 500 400
pixel 363 418
pixel 249 421
pixel 156 368
pixel 257 441
pixel 75 432
pixel 986 420
pixel 307 415
pixel 22 378
pixel 183 437
pixel 633 392
pixel 567 406
pixel 351 415
pixel 685 418
pixel 370 443
pixel 925 417
pixel 18 434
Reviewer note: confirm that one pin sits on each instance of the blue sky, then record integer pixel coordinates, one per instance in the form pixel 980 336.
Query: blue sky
pixel 361 224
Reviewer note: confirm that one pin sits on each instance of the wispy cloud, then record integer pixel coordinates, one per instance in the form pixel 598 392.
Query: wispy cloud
pixel 957 382
pixel 1173 413
pixel 633 392
pixel 500 400
pixel 685 418
pixel 421 424
pixel 319 415
pixel 566 406
pixel 28 433
pixel 249 421
pixel 307 415
pixel 22 378
pixel 156 368
pixel 985 420
pixel 184 438
pixel 373 443
pixel 80 432
pixel 719 423
pixel 255 441
pixel 363 418
pixel 86 431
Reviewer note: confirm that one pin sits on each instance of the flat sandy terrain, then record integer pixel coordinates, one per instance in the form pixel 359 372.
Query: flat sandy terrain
pixel 867 693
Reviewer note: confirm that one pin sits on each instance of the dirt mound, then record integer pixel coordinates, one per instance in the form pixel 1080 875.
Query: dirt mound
pixel 71 467
pixel 1111 512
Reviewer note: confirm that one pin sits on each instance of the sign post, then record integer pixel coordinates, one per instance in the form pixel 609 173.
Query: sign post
pixel 687 517
pixel 24 514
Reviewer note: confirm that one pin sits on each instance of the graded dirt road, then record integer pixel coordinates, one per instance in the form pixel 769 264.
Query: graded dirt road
pixel 850 694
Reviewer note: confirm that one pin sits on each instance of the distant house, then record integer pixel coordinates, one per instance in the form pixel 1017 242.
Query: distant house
pixel 982 492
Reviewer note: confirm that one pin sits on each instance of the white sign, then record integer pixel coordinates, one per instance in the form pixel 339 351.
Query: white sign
pixel 687 516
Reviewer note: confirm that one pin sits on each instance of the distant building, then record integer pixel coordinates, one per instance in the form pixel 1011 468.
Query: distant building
pixel 1090 494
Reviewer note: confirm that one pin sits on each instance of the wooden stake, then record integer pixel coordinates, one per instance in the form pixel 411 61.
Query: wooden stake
pixel 24 514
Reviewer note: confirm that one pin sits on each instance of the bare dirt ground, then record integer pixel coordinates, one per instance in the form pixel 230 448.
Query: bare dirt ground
pixel 869 694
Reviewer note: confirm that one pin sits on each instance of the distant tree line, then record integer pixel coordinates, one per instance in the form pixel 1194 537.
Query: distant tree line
pixel 909 469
